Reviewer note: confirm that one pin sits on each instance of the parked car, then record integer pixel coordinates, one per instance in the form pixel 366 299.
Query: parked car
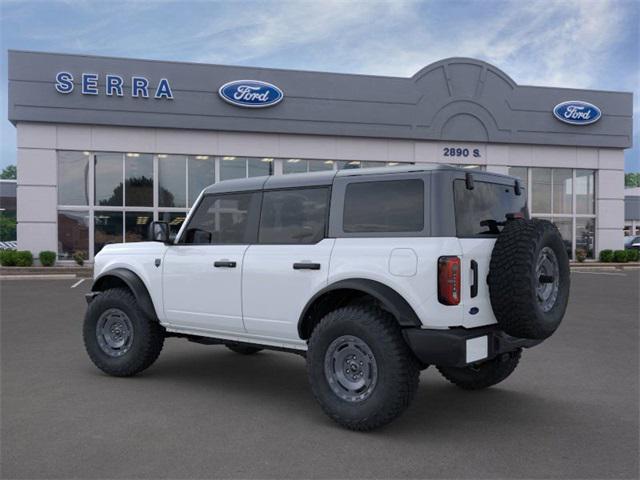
pixel 632 242
pixel 371 274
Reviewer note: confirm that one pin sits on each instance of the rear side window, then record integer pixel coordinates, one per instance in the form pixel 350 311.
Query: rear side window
pixel 294 216
pixel 384 206
pixel 223 219
pixel 483 210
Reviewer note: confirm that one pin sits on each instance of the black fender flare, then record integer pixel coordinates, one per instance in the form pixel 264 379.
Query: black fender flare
pixel 391 300
pixel 135 284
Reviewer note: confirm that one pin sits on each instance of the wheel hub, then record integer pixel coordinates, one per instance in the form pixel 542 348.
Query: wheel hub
pixel 548 279
pixel 114 332
pixel 350 368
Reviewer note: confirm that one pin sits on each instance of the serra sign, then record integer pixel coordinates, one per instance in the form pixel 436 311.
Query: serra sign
pixel 113 85
pixel 250 93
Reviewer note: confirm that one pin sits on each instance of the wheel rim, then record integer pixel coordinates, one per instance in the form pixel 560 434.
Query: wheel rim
pixel 548 279
pixel 114 332
pixel 350 368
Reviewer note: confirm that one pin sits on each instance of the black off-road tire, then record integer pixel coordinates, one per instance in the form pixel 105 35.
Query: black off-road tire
pixel 483 375
pixel 513 280
pixel 397 369
pixel 242 349
pixel 146 343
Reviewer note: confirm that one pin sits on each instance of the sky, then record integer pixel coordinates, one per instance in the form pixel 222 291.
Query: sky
pixel 564 43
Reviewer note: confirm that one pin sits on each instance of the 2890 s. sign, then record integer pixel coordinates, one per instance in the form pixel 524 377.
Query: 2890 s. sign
pixel 577 112
pixel 250 93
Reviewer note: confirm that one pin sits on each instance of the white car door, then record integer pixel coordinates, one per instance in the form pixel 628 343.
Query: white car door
pixel 202 273
pixel 289 263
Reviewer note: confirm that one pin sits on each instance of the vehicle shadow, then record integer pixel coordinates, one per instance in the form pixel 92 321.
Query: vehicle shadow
pixel 278 380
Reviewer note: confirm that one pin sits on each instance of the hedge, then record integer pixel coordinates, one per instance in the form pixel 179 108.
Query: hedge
pixel 633 255
pixel 47 258
pixel 606 256
pixel 620 256
pixel 8 258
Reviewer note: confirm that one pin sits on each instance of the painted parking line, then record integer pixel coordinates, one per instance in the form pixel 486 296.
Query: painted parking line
pixel 601 273
pixel 78 283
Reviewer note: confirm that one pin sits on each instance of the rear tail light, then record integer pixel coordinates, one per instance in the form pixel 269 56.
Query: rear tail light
pixel 449 280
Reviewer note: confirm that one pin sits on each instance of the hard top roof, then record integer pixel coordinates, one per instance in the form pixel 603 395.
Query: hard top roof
pixel 313 179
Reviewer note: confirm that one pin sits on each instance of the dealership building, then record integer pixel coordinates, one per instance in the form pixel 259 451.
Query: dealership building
pixel 106 145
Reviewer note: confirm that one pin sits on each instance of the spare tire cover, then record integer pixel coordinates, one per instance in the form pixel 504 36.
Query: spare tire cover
pixel 529 278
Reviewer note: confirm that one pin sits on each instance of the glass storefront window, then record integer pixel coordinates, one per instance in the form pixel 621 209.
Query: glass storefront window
pixel 138 172
pixel 565 226
pixel 320 165
pixel 233 167
pixel 136 226
pixel 522 173
pixel 172 188
pixel 73 178
pixel 541 190
pixel 295 165
pixel 108 229
pixel 259 167
pixel 562 190
pixel 108 179
pixel 585 192
pixel 585 235
pixel 73 233
pixel 201 175
pixel 349 164
pixel 175 221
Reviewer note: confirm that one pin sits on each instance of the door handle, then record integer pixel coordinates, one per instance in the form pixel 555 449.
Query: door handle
pixel 306 266
pixel 224 264
pixel 474 272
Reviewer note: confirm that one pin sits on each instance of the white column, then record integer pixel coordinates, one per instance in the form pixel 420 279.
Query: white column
pixel 610 200
pixel 37 193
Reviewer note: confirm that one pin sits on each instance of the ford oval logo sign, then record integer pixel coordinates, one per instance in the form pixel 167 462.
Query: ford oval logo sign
pixel 577 112
pixel 251 93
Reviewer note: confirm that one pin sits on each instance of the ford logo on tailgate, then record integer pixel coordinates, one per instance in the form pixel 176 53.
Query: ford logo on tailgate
pixel 250 93
pixel 577 112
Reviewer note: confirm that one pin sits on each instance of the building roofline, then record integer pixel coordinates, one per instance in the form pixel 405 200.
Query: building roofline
pixel 416 75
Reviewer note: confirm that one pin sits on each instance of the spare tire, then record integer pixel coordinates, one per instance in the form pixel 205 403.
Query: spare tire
pixel 529 278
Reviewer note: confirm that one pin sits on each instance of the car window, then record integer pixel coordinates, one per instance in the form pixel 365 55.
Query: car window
pixel 222 219
pixel 483 210
pixel 384 206
pixel 294 216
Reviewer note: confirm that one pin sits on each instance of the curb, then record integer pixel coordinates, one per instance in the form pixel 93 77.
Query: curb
pixel 605 266
pixel 51 276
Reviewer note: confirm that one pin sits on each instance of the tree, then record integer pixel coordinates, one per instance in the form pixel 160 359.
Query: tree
pixel 9 172
pixel 632 180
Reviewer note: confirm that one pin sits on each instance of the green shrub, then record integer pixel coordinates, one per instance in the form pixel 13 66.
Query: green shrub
pixel 633 255
pixel 80 256
pixel 47 258
pixel 8 258
pixel 606 256
pixel 620 256
pixel 24 258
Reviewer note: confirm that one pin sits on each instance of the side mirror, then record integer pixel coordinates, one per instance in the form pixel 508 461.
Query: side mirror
pixel 159 232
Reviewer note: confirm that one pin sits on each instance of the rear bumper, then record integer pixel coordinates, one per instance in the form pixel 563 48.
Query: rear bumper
pixel 458 347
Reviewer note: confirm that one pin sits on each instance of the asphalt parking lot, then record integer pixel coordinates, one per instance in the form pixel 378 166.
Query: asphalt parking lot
pixel 569 411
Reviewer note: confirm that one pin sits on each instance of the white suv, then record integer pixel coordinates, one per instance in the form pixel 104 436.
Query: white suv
pixel 371 274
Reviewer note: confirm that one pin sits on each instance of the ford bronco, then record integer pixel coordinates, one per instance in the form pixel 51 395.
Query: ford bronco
pixel 371 274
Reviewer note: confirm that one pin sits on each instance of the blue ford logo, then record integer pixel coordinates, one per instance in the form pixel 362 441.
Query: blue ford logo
pixel 576 112
pixel 250 93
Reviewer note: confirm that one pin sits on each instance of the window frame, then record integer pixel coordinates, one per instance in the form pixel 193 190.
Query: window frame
pixel 253 218
pixel 325 233
pixel 340 184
